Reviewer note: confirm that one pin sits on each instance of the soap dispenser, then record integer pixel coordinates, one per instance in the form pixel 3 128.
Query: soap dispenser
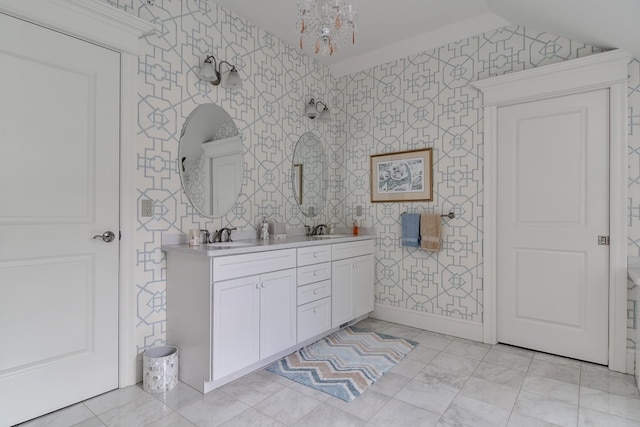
pixel 264 233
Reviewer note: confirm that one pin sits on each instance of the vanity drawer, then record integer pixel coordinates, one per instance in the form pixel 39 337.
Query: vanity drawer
pixel 314 255
pixel 314 273
pixel 314 319
pixel 230 267
pixel 352 249
pixel 313 292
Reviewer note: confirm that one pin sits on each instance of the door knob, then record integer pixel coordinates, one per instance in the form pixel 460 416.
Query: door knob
pixel 107 236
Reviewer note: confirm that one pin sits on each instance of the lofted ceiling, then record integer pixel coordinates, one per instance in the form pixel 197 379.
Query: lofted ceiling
pixel 391 30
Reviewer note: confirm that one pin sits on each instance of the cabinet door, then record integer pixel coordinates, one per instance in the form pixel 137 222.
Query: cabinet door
pixel 362 274
pixel 341 294
pixel 236 325
pixel 277 311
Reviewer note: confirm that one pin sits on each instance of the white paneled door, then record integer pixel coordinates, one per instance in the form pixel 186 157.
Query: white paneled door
pixel 59 144
pixel 553 203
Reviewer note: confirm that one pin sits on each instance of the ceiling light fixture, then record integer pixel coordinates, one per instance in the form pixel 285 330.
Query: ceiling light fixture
pixel 210 72
pixel 326 25
pixel 316 110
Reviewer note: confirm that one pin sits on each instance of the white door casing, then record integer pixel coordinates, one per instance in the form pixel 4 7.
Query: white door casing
pixel 553 203
pixel 102 24
pixel 59 286
pixel 604 70
pixel 222 173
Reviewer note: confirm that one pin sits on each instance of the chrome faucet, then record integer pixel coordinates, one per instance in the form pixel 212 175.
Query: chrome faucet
pixel 318 230
pixel 219 235
pixel 207 235
pixel 308 230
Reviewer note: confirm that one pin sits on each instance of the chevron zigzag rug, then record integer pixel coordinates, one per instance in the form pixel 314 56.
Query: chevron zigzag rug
pixel 344 363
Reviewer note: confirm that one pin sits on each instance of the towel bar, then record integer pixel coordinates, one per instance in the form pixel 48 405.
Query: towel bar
pixel 450 215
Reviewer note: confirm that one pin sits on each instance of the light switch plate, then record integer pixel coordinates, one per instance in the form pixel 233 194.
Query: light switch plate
pixel 146 208
pixel 359 210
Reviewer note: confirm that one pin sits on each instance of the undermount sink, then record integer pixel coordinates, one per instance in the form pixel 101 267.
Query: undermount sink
pixel 330 236
pixel 227 245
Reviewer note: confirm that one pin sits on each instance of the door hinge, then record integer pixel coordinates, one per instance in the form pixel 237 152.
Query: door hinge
pixel 603 240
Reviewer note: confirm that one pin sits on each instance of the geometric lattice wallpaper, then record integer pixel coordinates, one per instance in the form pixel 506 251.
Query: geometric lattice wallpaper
pixel 427 101
pixel 422 101
pixel 278 82
pixel 634 158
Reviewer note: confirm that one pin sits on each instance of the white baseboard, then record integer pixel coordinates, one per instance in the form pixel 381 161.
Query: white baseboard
pixel 430 322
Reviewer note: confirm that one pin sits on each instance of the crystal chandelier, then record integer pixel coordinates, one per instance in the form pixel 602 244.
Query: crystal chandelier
pixel 326 25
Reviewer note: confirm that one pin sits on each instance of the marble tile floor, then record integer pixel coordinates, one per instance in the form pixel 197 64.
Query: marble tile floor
pixel 445 381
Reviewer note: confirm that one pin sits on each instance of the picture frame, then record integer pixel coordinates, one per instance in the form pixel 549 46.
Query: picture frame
pixel 297 182
pixel 405 176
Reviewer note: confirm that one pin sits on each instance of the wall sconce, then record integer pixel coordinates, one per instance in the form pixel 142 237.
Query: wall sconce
pixel 316 109
pixel 211 72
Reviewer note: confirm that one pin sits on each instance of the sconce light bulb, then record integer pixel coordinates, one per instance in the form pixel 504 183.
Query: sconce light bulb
pixel 311 110
pixel 232 80
pixel 324 115
pixel 207 72
pixel 210 71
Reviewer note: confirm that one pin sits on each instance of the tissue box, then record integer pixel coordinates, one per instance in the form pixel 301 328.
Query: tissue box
pixel 278 230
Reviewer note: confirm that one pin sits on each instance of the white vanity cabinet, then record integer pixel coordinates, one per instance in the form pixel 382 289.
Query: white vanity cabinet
pixel 352 281
pixel 232 312
pixel 314 291
pixel 227 313
pixel 254 317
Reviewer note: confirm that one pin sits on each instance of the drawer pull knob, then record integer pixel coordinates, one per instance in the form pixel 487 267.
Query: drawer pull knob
pixel 315 292
pixel 315 254
pixel 315 273
pixel 355 265
pixel 315 310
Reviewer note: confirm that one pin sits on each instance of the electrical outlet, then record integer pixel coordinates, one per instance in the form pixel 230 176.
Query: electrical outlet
pixel 359 210
pixel 146 208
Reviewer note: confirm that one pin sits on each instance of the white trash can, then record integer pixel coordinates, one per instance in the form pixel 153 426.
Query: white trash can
pixel 160 369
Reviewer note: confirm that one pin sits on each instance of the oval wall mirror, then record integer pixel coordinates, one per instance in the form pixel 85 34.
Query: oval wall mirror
pixel 211 160
pixel 310 174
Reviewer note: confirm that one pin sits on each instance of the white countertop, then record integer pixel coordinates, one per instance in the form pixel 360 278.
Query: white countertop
pixel 257 245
